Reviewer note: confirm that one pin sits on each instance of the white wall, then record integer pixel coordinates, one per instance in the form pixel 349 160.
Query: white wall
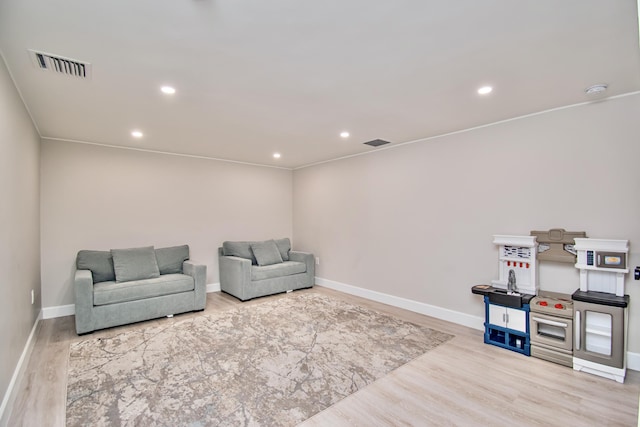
pixel 19 229
pixel 417 221
pixel 96 197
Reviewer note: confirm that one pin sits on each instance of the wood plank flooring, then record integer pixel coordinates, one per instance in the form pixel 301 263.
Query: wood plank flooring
pixel 462 382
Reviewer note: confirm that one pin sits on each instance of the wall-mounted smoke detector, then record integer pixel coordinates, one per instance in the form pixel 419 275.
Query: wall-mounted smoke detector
pixel 60 65
pixel 596 89
pixel 377 142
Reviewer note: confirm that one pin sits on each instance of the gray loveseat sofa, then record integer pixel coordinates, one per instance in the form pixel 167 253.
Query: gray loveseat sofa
pixel 123 286
pixel 254 269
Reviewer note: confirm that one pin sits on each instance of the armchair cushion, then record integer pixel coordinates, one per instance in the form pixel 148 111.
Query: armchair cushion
pixel 286 268
pixel 284 246
pixel 266 253
pixel 114 292
pixel 99 262
pixel 135 264
pixel 170 259
pixel 239 249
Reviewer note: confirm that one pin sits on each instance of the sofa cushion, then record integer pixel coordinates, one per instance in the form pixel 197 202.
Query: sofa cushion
pixel 286 268
pixel 239 249
pixel 284 246
pixel 114 292
pixel 266 252
pixel 99 262
pixel 170 259
pixel 135 264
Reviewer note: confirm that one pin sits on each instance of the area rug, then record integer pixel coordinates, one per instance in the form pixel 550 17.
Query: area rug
pixel 275 363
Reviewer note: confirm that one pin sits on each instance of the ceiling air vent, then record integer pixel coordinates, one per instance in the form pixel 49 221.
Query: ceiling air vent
pixel 377 142
pixel 60 65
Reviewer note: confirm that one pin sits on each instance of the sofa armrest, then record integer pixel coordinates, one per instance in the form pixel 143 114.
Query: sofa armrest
pixel 199 274
pixel 83 289
pixel 235 275
pixel 308 259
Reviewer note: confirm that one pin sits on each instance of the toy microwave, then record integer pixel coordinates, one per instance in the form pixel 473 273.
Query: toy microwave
pixel 604 259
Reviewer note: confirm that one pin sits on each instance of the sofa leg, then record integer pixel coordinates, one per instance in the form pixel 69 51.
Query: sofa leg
pixel 169 316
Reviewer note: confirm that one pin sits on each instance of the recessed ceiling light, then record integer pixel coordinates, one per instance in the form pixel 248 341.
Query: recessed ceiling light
pixel 168 90
pixel 344 134
pixel 276 155
pixel 485 90
pixel 137 134
pixel 596 89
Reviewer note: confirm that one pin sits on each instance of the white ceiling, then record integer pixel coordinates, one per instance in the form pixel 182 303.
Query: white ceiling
pixel 254 77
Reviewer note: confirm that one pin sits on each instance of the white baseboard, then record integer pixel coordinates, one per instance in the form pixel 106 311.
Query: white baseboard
pixel 70 309
pixel 464 319
pixel 18 373
pixel 474 322
pixel 633 362
pixel 58 311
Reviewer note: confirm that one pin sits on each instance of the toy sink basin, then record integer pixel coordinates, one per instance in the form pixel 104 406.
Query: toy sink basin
pixel 502 297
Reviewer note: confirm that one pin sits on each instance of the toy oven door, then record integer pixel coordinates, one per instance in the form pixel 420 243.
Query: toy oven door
pixel 556 332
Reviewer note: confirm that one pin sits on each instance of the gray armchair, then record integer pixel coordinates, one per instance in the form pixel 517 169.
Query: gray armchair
pixel 104 298
pixel 253 269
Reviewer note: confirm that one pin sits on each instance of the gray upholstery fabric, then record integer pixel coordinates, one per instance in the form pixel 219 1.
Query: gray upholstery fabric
pixel 100 263
pixel 83 287
pixel 284 246
pixel 236 272
pixel 170 259
pixel 115 292
pixel 135 264
pixel 107 316
pixel 239 249
pixel 199 274
pixel 90 317
pixel 266 252
pixel 286 268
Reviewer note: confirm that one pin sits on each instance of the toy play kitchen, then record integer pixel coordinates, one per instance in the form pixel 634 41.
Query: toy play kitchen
pixel 586 330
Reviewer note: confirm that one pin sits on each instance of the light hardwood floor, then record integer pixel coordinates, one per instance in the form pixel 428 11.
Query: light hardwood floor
pixel 462 382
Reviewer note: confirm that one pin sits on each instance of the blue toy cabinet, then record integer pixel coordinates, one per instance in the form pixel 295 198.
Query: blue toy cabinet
pixel 506 326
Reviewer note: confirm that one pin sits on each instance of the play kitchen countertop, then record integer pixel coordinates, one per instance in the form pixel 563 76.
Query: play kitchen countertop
pixel 501 296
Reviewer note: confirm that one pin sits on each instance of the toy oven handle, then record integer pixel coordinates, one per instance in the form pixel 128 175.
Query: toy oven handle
pixel 550 322
pixel 578 331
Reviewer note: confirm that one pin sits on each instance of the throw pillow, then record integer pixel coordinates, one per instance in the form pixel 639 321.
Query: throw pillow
pixel 170 259
pixel 284 246
pixel 135 264
pixel 99 262
pixel 266 252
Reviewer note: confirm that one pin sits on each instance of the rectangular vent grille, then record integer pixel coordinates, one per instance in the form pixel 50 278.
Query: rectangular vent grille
pixel 60 65
pixel 377 142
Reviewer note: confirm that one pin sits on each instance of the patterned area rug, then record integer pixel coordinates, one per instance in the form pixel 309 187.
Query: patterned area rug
pixel 271 364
